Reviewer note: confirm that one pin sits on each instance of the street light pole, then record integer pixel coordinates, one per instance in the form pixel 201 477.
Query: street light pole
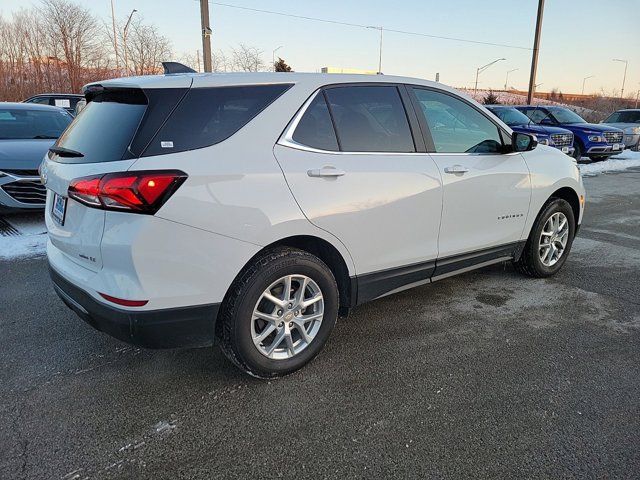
pixel 206 35
pixel 115 37
pixel 506 80
pixel 273 57
pixel 624 78
pixel 124 41
pixel 379 48
pixel 536 48
pixel 479 70
pixel 584 80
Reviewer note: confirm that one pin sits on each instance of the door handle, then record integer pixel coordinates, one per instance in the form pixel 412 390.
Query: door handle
pixel 326 171
pixel 456 169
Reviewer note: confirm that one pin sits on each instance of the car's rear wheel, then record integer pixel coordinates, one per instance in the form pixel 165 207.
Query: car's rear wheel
pixel 550 240
pixel 279 313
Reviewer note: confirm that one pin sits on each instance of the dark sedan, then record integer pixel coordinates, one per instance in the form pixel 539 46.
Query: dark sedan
pixel 26 133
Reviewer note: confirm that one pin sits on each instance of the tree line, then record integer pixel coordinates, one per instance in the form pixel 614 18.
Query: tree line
pixel 59 46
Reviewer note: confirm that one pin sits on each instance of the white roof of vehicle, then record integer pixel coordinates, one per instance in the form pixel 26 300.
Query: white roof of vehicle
pixel 223 79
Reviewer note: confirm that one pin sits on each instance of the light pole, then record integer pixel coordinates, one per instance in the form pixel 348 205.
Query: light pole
pixel 506 80
pixel 624 78
pixel 379 48
pixel 273 57
pixel 124 41
pixel 479 70
pixel 637 95
pixel 115 37
pixel 584 80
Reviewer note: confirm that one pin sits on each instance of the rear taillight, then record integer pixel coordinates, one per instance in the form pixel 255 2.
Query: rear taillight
pixel 140 192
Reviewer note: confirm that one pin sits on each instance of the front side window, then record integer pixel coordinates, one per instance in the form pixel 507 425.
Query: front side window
pixel 207 116
pixel 315 128
pixel 457 127
pixel 370 119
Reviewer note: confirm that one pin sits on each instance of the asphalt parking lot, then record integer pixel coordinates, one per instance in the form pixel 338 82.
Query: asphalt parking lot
pixel 489 374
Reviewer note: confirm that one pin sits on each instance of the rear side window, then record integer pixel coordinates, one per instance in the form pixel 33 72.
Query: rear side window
pixel 207 116
pixel 370 119
pixel 315 128
pixel 106 126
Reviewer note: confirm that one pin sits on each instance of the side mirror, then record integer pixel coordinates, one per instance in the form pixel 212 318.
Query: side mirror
pixel 523 142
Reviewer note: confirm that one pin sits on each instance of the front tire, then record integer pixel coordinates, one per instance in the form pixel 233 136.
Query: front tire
pixel 549 242
pixel 279 313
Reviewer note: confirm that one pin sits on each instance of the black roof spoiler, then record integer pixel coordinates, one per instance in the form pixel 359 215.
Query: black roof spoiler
pixel 175 67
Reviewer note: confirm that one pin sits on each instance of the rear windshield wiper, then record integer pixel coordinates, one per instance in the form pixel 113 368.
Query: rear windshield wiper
pixel 65 152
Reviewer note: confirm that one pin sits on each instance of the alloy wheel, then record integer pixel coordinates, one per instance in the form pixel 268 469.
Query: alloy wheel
pixel 553 239
pixel 287 317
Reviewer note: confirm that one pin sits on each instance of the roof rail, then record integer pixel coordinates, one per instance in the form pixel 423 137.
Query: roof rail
pixel 175 67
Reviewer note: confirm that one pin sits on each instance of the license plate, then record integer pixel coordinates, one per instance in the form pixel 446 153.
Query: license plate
pixel 59 208
pixel 616 146
pixel 565 149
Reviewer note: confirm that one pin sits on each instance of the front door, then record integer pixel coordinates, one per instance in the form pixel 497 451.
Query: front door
pixel 486 192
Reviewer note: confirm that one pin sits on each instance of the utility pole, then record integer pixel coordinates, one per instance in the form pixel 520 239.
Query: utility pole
pixel 584 80
pixel 536 47
pixel 115 37
pixel 206 34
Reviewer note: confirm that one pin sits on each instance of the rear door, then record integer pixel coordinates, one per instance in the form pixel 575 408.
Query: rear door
pixel 486 191
pixel 353 165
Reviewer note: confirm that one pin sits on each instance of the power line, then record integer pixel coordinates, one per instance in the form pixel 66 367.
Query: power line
pixel 358 25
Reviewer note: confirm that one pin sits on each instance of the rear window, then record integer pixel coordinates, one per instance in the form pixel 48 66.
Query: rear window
pixel 104 129
pixel 315 128
pixel 32 124
pixel 207 116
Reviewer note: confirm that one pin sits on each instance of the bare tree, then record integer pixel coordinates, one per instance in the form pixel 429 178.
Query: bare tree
pixel 74 36
pixel 247 59
pixel 146 48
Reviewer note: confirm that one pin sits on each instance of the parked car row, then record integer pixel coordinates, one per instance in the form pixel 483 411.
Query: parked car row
pixel 564 129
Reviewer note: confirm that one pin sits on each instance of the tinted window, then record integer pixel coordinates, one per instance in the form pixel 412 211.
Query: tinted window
pixel 32 124
pixel 625 116
pixel 207 116
pixel 315 128
pixel 510 115
pixel 536 115
pixel 370 119
pixel 457 127
pixel 40 100
pixel 564 115
pixel 104 129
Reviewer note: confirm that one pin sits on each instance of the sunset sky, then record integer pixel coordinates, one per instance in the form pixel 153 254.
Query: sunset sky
pixel 580 37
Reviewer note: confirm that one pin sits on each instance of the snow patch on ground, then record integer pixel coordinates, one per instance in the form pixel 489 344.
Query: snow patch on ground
pixel 30 239
pixel 625 160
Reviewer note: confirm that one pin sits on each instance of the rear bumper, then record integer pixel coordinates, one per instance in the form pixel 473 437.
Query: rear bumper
pixel 166 328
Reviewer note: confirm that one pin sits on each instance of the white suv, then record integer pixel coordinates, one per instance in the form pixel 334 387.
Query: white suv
pixel 250 210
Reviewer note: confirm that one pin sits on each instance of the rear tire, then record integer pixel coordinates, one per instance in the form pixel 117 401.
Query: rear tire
pixel 279 313
pixel 547 248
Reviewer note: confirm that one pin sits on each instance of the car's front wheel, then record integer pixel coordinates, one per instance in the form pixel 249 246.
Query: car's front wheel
pixel 550 240
pixel 279 313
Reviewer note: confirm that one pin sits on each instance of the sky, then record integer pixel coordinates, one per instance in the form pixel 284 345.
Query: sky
pixel 579 37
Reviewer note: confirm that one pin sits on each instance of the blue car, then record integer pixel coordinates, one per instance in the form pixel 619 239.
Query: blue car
pixel 26 133
pixel 598 142
pixel 559 138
